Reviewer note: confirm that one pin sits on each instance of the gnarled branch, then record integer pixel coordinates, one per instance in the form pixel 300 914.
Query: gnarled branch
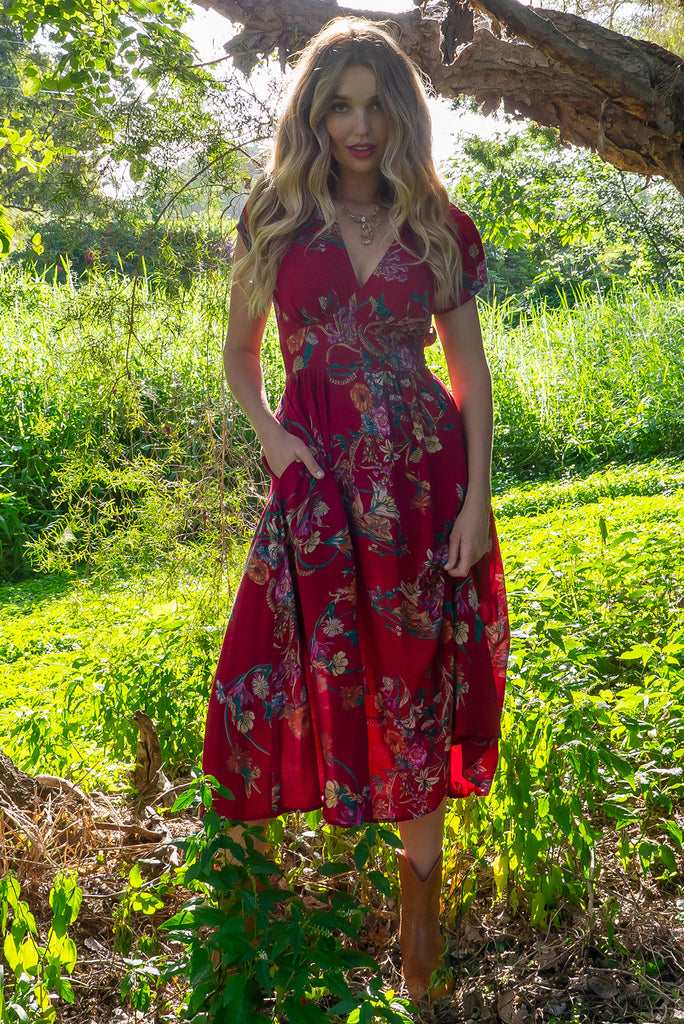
pixel 620 96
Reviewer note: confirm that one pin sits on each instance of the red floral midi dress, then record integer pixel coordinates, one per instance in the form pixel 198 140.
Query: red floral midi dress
pixel 355 674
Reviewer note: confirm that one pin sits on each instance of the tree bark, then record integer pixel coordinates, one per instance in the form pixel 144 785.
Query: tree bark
pixel 622 97
pixel 17 788
pixel 148 776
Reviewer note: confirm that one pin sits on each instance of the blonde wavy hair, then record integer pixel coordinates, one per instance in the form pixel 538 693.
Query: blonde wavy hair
pixel 300 179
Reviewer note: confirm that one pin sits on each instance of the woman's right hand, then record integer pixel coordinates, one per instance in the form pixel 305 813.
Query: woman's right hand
pixel 281 449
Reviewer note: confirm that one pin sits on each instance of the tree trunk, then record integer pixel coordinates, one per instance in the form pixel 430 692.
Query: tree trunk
pixel 17 788
pixel 620 96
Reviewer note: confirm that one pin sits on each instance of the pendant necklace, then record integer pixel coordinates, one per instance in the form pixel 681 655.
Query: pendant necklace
pixel 366 221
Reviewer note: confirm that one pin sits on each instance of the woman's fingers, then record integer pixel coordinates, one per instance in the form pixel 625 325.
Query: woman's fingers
pixel 305 456
pixel 464 564
pixel 453 552
pixel 468 542
pixel 282 449
pixel 461 556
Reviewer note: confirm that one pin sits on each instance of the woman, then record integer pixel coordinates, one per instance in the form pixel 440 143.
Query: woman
pixel 363 665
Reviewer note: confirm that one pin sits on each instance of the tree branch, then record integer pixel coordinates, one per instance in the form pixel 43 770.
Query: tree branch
pixel 620 96
pixel 541 33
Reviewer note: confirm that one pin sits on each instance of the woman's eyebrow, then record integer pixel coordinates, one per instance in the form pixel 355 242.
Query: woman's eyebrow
pixel 337 96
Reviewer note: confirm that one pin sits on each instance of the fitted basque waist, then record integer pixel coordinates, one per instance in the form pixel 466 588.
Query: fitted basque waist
pixel 375 352
pixel 345 369
pixel 351 345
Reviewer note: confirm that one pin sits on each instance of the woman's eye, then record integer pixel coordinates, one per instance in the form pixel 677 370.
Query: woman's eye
pixel 339 107
pixel 377 105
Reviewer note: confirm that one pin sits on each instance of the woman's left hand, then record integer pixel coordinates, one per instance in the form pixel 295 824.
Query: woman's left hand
pixel 469 539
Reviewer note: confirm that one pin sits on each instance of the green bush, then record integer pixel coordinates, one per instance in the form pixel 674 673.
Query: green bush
pixel 170 258
pixel 559 223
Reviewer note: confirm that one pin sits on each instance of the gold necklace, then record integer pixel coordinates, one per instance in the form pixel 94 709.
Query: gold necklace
pixel 366 221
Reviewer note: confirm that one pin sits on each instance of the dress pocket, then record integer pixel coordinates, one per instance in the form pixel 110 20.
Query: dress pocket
pixel 287 482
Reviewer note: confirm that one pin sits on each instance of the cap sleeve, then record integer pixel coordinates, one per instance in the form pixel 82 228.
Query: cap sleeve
pixel 473 266
pixel 243 228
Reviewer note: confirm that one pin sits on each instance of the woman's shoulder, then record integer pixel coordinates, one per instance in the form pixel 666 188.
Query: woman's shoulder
pixel 303 232
pixel 473 264
pixel 242 227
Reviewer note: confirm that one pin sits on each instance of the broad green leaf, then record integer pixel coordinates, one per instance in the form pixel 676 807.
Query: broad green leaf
pixel 381 882
pixel 500 869
pixel 361 854
pixel 135 879
pixel 331 868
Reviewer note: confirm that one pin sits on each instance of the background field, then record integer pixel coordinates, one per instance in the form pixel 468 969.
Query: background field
pixel 130 485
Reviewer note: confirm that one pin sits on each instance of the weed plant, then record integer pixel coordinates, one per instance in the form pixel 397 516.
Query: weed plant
pixel 38 973
pixel 254 950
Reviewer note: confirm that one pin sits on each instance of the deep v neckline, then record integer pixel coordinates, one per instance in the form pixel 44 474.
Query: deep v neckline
pixel 361 285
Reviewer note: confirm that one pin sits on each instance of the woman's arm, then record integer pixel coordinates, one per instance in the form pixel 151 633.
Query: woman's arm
pixel 459 332
pixel 243 373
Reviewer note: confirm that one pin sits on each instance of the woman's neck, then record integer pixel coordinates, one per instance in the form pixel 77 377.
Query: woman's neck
pixel 359 188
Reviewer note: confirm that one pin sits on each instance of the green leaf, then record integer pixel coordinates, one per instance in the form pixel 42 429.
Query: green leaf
pixel 639 652
pixel 135 879
pixel 666 854
pixel 64 990
pixel 11 950
pixel 500 868
pixel 31 86
pixel 675 832
pixel 137 169
pixel 619 811
pixel 19 1012
pixel 390 837
pixel 331 868
pixel 361 854
pixel 556 637
pixel 381 882
pixel 603 529
pixel 538 913
pixel 185 800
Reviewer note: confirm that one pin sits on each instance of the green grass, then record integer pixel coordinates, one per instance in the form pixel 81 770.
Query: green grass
pixel 78 658
pixel 602 381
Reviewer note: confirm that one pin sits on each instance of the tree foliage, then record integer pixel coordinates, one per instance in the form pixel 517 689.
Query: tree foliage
pixel 96 89
pixel 558 220
pixel 101 43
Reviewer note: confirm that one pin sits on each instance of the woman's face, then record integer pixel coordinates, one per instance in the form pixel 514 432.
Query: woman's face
pixel 356 123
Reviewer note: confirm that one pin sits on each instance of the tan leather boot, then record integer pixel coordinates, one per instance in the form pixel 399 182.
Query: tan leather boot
pixel 420 938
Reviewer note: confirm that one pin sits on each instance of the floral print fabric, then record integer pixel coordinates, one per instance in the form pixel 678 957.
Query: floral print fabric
pixel 355 674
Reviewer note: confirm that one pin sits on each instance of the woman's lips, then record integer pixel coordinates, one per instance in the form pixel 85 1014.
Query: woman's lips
pixel 361 152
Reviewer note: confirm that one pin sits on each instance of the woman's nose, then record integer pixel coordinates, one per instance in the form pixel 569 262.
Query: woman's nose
pixel 361 122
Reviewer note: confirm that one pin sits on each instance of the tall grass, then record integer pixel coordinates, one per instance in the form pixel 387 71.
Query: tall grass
pixel 601 381
pixel 110 420
pixel 118 437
